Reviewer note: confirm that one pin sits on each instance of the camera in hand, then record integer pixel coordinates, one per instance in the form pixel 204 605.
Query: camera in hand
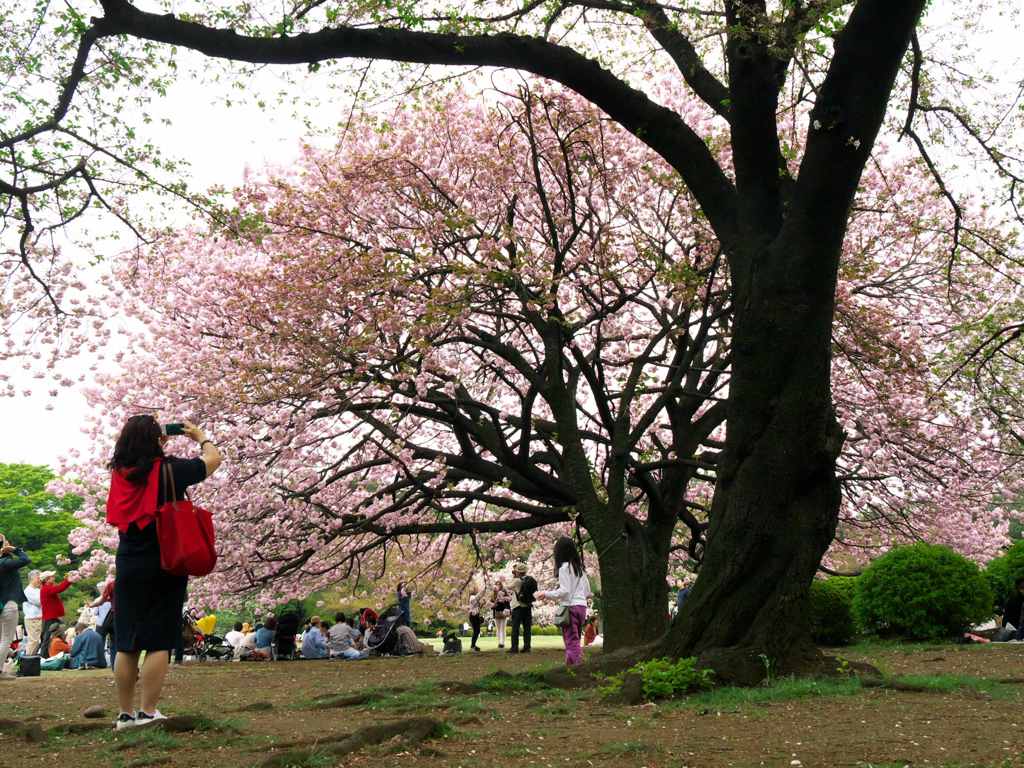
pixel 170 430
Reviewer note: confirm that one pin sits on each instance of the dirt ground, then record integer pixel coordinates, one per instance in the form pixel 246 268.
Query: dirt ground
pixel 535 727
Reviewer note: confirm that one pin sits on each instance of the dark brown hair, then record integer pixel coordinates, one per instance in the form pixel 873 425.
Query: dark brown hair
pixel 565 552
pixel 136 448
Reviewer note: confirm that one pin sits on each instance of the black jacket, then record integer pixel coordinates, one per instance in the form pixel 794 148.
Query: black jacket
pixel 1014 610
pixel 10 581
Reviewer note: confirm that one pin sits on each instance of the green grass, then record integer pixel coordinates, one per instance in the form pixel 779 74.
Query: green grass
pixel 868 645
pixel 490 643
pixel 152 738
pixel 954 683
pixel 424 695
pixel 730 698
pixel 502 682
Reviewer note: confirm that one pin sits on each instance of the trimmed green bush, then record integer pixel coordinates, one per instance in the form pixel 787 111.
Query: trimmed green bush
pixel 831 608
pixel 921 592
pixel 1003 571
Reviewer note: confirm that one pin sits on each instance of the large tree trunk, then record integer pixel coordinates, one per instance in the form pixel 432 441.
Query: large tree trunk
pixel 634 590
pixel 776 502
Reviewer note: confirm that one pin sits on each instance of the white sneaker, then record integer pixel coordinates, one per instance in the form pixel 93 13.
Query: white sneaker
pixel 141 718
pixel 124 720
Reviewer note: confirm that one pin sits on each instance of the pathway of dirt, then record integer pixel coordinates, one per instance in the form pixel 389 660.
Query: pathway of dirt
pixel 255 708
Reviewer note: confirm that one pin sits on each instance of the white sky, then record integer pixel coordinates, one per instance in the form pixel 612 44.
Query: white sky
pixel 220 142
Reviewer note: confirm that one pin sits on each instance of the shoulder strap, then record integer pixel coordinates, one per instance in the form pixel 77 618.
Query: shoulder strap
pixel 169 490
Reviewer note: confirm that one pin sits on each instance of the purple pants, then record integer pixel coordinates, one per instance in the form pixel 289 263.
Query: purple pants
pixel 571 634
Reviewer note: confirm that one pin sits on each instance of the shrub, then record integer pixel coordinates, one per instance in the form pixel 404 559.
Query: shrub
pixel 547 630
pixel 921 592
pixel 1003 571
pixel 664 678
pixel 831 609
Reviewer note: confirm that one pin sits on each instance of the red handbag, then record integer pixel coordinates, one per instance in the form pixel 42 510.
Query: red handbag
pixel 185 532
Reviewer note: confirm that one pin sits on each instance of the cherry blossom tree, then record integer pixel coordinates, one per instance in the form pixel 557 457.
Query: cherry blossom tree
pixel 490 321
pixel 780 226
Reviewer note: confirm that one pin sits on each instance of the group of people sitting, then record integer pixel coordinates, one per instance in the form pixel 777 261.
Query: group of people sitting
pixel 352 637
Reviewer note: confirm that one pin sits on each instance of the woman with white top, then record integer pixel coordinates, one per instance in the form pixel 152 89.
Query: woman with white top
pixel 572 592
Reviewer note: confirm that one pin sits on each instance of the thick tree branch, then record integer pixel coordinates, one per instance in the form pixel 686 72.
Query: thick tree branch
pixel 660 128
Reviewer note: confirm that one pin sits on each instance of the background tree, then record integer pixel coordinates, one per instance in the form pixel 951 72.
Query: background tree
pixel 493 321
pixel 34 518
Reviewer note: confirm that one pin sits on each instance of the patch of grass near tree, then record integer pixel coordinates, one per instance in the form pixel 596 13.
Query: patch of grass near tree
pixel 729 698
pixel 501 682
pixel 954 683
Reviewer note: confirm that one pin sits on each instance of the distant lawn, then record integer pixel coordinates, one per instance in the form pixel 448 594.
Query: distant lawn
pixel 490 643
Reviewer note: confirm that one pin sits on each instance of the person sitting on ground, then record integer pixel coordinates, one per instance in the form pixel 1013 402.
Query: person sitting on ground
pixel 235 637
pixel 58 643
pixel 265 635
pixel 1013 615
pixel 287 628
pixel 408 644
pixel 89 649
pixel 314 642
pixel 367 618
pixel 342 639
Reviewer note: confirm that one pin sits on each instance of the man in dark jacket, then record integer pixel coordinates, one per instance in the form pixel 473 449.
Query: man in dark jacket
pixel 12 559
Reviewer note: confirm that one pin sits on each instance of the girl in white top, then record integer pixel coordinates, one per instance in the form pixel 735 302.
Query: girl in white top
pixel 572 592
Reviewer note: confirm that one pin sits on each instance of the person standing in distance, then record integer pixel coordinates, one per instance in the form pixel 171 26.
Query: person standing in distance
pixel 12 559
pixel 149 600
pixel 33 613
pixel 572 593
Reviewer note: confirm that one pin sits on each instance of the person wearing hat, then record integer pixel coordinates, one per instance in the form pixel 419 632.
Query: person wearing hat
pixel 12 559
pixel 52 605
pixel 33 611
pixel 522 588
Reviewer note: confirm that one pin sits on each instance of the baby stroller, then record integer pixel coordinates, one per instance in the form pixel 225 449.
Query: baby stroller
pixel 382 638
pixel 193 642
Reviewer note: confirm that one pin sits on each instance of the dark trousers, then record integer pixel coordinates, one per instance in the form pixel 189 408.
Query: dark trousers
pixel 44 641
pixel 475 622
pixel 106 631
pixel 522 617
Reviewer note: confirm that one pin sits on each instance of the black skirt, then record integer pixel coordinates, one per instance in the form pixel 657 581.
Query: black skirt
pixel 148 601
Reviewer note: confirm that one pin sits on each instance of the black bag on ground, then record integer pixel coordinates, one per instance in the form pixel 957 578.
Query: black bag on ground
pixel 28 666
pixel 452 644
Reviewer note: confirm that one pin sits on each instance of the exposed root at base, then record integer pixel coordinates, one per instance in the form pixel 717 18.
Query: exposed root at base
pixel 408 732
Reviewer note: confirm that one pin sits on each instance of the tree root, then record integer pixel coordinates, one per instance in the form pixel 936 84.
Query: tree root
pixel 408 732
pixel 894 685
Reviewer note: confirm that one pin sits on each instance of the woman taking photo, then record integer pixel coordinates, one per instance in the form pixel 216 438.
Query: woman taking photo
pixel 572 593
pixel 149 600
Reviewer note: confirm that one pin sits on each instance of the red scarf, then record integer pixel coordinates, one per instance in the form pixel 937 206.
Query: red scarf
pixel 129 503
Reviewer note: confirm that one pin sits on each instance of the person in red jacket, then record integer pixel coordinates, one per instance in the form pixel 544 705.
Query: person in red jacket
pixel 50 602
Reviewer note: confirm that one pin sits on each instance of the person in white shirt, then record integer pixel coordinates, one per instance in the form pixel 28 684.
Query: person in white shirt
pixel 235 637
pixel 342 639
pixel 33 613
pixel 572 593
